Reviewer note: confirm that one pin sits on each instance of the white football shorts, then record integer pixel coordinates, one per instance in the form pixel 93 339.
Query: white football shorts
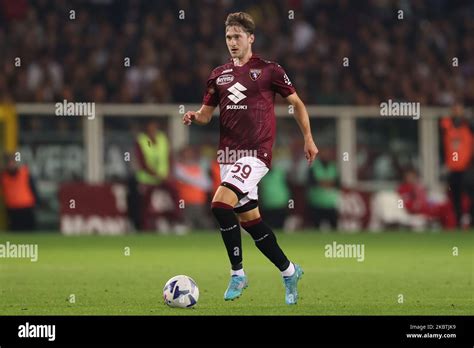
pixel 244 175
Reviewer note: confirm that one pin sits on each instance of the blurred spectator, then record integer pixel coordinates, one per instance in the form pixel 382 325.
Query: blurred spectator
pixel 91 49
pixel 469 184
pixel 458 141
pixel 275 196
pixel 152 154
pixel 193 184
pixel 151 164
pixel 215 172
pixel 298 167
pixel 20 195
pixel 416 201
pixel 324 194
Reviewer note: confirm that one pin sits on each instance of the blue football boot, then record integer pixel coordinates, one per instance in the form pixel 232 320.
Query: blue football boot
pixel 291 288
pixel 236 286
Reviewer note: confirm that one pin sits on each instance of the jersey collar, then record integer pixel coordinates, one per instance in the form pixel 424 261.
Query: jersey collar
pixel 254 56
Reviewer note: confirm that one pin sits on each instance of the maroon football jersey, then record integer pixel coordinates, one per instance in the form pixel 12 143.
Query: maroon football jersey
pixel 246 97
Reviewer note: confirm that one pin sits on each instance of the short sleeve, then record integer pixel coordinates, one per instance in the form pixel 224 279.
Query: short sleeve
pixel 281 83
pixel 211 97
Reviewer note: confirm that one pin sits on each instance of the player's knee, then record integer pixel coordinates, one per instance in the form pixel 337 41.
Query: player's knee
pixel 226 195
pixel 222 211
pixel 248 212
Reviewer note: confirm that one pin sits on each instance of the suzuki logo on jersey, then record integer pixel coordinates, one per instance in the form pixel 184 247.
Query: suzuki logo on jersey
pixel 236 92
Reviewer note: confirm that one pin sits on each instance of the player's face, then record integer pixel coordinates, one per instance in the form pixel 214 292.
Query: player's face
pixel 238 41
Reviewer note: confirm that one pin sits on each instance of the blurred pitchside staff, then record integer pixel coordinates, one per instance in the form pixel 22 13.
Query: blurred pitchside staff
pixel 458 143
pixel 20 195
pixel 152 166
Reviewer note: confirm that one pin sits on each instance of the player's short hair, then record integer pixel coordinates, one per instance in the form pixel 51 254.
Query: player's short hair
pixel 241 19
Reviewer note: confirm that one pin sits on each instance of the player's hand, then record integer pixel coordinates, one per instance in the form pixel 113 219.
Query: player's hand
pixel 310 150
pixel 189 117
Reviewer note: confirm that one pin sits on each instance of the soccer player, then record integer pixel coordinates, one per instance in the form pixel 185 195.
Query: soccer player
pixel 245 91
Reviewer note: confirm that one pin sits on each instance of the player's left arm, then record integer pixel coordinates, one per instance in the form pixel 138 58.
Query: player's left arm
pixel 302 118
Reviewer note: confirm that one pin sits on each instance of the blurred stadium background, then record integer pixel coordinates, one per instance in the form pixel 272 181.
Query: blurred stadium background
pixel 144 63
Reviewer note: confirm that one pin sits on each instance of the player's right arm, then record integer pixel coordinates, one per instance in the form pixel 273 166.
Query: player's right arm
pixel 201 117
pixel 210 101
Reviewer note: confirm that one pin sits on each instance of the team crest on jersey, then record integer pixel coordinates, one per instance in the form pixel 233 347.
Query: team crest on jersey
pixel 255 74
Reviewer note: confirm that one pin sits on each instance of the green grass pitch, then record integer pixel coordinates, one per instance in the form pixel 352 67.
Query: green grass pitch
pixel 95 269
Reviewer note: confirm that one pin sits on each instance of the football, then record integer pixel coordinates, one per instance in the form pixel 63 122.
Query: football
pixel 181 291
